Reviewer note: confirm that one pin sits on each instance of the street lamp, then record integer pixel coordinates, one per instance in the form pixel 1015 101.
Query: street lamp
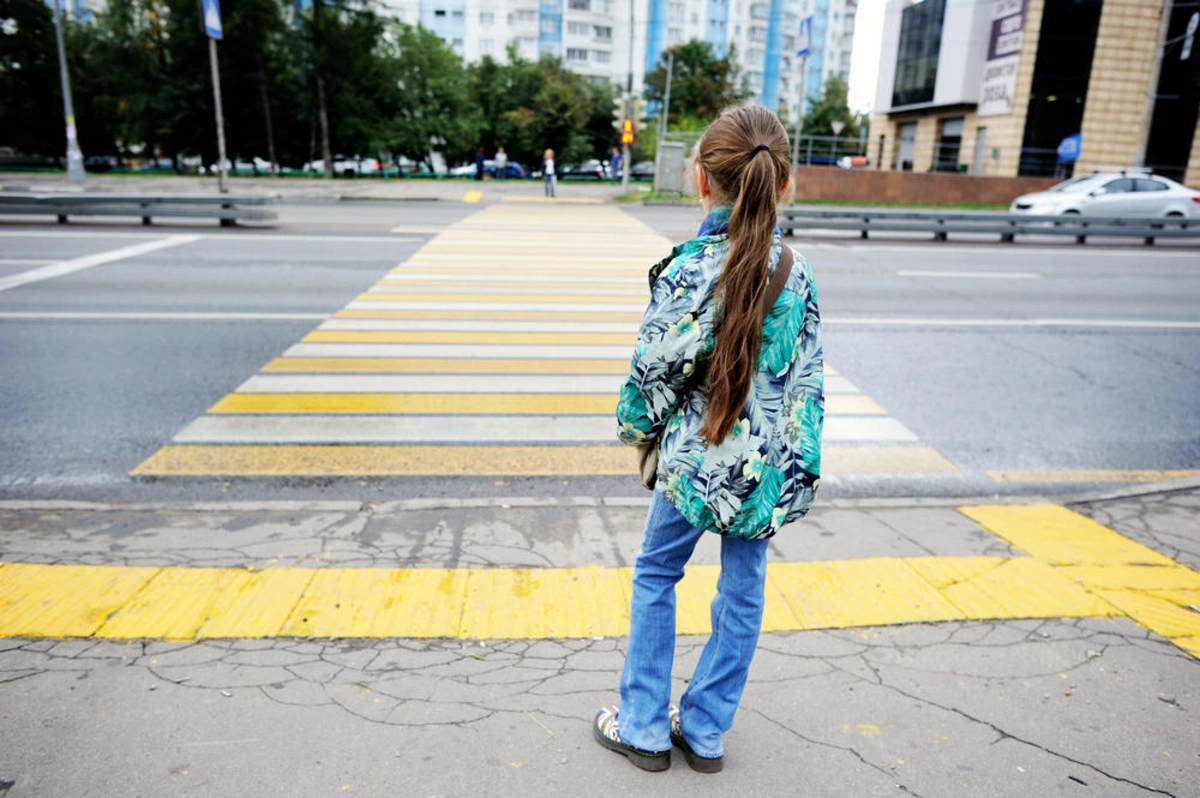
pixel 74 155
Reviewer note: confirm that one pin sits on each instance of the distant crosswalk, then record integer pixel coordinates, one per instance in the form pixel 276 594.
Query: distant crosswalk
pixel 497 349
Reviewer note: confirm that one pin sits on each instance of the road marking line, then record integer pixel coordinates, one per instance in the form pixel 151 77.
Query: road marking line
pixel 555 200
pixel 451 337
pixel 900 321
pixel 478 402
pixel 374 303
pixel 429 365
pixel 504 279
pixel 517 421
pixel 1095 475
pixel 157 316
pixel 563 289
pixel 472 325
pixel 509 300
pixel 533 461
pixel 976 275
pixel 88 261
pixel 566 317
pixel 530 384
pixel 462 351
pixel 472 196
pixel 24 261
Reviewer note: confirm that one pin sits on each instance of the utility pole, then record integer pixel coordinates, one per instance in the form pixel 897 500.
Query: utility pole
pixel 74 155
pixel 666 109
pixel 211 18
pixel 803 39
pixel 625 153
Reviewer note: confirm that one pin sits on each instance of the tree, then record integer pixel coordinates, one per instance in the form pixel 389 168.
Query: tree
pixel 702 84
pixel 832 106
pixel 31 110
pixel 431 102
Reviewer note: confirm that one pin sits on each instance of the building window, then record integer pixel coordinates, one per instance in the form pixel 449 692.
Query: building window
pixel 579 5
pixel 439 12
pixel 485 46
pixel 457 44
pixel 487 19
pixel 549 25
pixel 578 28
pixel 674 35
pixel 603 32
pixel 577 54
pixel 945 159
pixel 675 12
pixel 457 13
pixel 917 58
pixel 601 56
pixel 522 17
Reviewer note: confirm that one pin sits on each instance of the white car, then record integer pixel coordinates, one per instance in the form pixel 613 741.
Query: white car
pixel 1113 194
pixel 345 166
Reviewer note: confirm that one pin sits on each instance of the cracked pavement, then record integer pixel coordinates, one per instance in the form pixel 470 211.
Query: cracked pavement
pixel 1090 706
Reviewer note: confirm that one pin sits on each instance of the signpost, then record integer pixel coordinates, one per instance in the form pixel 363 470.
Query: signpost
pixel 212 26
pixel 803 42
pixel 74 154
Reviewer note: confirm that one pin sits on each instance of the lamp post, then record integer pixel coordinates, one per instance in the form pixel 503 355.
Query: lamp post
pixel 74 155
pixel 625 153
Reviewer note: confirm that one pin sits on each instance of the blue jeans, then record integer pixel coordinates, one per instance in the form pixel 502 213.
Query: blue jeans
pixel 711 699
pixel 549 185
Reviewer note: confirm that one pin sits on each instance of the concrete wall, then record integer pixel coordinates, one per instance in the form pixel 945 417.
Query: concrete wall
pixel 870 185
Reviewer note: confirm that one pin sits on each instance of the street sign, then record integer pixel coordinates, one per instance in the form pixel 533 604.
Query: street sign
pixel 1068 148
pixel 212 19
pixel 837 127
pixel 804 37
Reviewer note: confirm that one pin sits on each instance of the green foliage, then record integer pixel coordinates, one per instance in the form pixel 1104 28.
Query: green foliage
pixel 832 106
pixel 141 81
pixel 31 109
pixel 702 84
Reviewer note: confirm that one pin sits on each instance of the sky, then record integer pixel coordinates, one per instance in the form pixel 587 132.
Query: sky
pixel 864 60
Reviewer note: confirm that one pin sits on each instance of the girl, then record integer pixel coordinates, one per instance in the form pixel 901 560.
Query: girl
pixel 736 406
pixel 548 172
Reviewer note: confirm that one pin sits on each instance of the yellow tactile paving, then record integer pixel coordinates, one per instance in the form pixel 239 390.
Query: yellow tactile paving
pixel 1134 577
pixel 1026 587
pixel 566 461
pixel 64 600
pixel 1059 536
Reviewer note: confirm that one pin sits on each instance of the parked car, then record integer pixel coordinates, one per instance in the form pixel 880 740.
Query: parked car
pixel 513 170
pixel 1127 193
pixel 345 166
pixel 589 168
pixel 101 163
pixel 642 170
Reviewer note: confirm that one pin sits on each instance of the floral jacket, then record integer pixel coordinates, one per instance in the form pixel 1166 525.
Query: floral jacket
pixel 767 471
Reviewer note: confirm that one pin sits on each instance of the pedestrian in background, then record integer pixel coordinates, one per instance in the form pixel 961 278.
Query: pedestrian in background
pixel 479 164
pixel 548 172
pixel 615 165
pixel 501 163
pixel 736 411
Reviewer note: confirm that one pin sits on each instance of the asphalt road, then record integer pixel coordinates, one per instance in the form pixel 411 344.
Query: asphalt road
pixel 1028 357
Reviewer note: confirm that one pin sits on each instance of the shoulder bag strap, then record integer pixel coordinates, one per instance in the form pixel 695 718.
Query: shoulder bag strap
pixel 778 280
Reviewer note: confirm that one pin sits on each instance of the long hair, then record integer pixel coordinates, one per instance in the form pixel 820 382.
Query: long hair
pixel 751 180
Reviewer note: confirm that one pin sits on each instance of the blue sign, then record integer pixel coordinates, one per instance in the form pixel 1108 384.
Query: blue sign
pixel 1068 148
pixel 804 37
pixel 212 19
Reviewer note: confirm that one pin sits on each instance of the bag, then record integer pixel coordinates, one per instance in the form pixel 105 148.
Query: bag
pixel 647 453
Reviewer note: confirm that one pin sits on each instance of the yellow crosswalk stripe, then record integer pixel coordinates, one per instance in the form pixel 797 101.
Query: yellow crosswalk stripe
pixel 532 460
pixel 1095 475
pixel 547 299
pixel 448 337
pixel 429 365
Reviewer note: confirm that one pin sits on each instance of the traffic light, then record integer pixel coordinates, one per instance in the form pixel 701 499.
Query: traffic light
pixel 627 132
pixel 619 115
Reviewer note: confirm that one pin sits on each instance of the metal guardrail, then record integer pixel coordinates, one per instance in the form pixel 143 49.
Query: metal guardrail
pixel 226 207
pixel 1006 225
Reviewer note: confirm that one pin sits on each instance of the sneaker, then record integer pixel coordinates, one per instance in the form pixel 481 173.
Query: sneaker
pixel 606 733
pixel 700 764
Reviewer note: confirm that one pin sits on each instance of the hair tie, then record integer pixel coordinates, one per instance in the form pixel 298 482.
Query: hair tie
pixel 758 147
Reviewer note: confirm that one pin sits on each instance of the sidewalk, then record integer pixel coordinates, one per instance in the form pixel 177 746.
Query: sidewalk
pixel 918 647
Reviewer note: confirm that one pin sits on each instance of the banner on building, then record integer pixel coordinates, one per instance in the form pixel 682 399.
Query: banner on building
pixel 1004 52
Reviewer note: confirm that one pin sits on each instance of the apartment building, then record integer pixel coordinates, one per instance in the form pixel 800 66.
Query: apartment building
pixel 1039 87
pixel 611 39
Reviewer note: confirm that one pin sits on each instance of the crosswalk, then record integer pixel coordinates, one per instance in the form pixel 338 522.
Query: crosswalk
pixel 497 349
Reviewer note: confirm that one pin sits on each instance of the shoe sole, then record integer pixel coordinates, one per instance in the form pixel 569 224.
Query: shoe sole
pixel 645 761
pixel 700 764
